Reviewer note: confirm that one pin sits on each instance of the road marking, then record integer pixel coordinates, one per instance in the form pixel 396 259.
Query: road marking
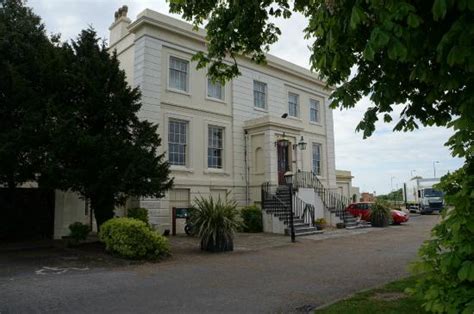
pixel 46 270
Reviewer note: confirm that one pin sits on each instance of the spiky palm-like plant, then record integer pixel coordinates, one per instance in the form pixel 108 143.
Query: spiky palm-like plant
pixel 380 214
pixel 215 222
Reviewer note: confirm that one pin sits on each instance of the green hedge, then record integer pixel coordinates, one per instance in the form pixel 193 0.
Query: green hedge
pixel 133 239
pixel 79 231
pixel 138 213
pixel 252 219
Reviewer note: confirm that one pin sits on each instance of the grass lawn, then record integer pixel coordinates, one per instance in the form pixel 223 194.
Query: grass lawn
pixel 390 298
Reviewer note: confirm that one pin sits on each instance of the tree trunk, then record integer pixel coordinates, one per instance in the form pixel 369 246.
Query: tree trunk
pixel 103 207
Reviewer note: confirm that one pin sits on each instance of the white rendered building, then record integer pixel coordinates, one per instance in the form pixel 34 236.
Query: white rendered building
pixel 222 139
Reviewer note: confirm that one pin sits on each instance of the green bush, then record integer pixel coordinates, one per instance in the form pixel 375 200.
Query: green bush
pixel 133 239
pixel 79 231
pixel 446 262
pixel 252 219
pixel 138 213
pixel 215 222
pixel 380 214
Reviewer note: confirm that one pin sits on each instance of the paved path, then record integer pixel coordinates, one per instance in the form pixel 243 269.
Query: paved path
pixel 279 279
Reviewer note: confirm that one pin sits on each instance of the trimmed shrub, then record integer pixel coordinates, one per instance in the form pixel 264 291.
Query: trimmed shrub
pixel 133 239
pixel 380 214
pixel 138 213
pixel 320 223
pixel 251 219
pixel 215 223
pixel 79 231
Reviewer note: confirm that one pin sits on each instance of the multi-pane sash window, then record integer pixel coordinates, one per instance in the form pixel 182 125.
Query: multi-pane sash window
pixel 260 94
pixel 215 90
pixel 179 74
pixel 317 159
pixel 215 147
pixel 293 104
pixel 177 140
pixel 314 110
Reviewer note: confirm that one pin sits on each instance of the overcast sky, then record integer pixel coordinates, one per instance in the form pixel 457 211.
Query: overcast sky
pixel 373 162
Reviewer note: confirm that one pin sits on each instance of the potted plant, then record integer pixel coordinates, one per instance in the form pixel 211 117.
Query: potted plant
pixel 215 223
pixel 380 214
pixel 320 223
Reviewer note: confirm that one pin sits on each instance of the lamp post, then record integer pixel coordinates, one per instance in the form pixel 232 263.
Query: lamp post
pixel 434 168
pixel 289 183
pixel 391 183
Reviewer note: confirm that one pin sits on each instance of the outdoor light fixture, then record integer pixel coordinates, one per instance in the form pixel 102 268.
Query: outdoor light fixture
pixel 282 140
pixel 288 177
pixel 284 115
pixel 301 144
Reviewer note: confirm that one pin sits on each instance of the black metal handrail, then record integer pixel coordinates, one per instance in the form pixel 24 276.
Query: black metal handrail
pixel 303 210
pixel 332 200
pixel 293 208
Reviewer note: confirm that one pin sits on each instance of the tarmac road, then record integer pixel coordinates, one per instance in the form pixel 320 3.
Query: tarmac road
pixel 290 278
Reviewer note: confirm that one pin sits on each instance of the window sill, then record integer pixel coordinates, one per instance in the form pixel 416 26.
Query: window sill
pixel 295 118
pixel 181 169
pixel 216 171
pixel 316 123
pixel 222 101
pixel 260 109
pixel 178 91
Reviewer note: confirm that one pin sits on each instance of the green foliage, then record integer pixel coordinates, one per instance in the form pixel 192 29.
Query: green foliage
pixel 98 145
pixel 418 54
pixel 372 301
pixel 133 239
pixel 380 214
pixel 215 223
pixel 396 195
pixel 252 219
pixel 138 213
pixel 69 118
pixel 447 259
pixel 25 81
pixel 320 221
pixel 79 231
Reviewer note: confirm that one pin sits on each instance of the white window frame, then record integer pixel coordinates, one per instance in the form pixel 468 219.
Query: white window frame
pixel 317 109
pixel 313 166
pixel 186 143
pixel 208 81
pixel 188 73
pixel 222 148
pixel 296 104
pixel 265 93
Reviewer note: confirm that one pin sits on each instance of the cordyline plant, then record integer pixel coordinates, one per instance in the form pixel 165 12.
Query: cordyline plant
pixel 215 222
pixel 417 54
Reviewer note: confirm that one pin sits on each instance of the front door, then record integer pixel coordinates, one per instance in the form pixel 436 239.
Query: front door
pixel 283 163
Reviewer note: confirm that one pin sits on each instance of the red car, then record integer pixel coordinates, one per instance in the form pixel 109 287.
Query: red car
pixel 363 210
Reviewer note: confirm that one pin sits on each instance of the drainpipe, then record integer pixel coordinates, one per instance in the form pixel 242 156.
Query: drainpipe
pixel 247 188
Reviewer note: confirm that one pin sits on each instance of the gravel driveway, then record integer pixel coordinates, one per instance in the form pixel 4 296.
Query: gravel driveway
pixel 288 278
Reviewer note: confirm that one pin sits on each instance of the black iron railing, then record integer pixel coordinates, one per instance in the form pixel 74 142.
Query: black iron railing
pixel 283 203
pixel 304 211
pixel 332 200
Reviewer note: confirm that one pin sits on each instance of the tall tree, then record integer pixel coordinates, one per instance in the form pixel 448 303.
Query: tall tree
pixel 99 148
pixel 415 54
pixel 25 53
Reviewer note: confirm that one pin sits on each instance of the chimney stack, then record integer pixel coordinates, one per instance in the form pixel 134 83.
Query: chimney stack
pixel 118 29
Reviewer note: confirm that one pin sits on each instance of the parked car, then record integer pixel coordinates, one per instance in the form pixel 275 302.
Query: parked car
pixel 362 210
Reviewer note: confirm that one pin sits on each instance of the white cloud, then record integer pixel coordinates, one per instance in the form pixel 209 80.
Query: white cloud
pixel 373 162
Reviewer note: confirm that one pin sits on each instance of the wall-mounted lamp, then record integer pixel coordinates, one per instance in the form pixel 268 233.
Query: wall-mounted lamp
pixel 301 144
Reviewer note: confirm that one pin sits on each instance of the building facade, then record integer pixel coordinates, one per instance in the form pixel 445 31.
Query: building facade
pixel 222 139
